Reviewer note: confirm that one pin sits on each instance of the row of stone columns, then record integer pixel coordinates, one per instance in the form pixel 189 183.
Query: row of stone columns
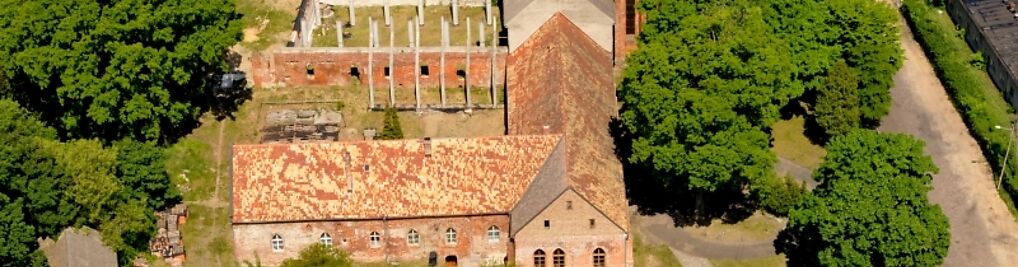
pixel 387 12
pixel 414 31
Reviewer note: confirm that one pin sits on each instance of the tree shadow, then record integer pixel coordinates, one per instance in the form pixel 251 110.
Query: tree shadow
pixel 811 129
pixel 653 196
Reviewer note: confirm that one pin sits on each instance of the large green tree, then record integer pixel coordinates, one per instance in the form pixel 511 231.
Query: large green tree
pixel 141 168
pixel 870 208
pixel 837 108
pixel 113 69
pixel 862 32
pixel 700 93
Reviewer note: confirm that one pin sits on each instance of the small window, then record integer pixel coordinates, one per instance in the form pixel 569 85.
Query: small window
pixel 547 224
pixel 559 258
pixel 355 72
pixel 461 74
pixel 413 238
pixel 592 223
pixel 425 71
pixel 310 68
pixel 569 204
pixel 386 71
pixel 493 234
pixel 376 239
pixel 539 258
pixel 367 168
pixel 450 236
pixel 326 239
pixel 598 257
pixel 277 243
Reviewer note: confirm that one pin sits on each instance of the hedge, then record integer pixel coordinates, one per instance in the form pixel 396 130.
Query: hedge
pixel 981 105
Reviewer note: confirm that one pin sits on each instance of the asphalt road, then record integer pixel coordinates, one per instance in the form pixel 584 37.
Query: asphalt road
pixel 983 232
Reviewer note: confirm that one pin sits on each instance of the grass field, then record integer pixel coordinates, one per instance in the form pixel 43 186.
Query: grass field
pixel 773 261
pixel 756 228
pixel 266 22
pixel 791 143
pixel 650 255
pixel 431 31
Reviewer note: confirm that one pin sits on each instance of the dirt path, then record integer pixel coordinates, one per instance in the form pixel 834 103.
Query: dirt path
pixel 983 233
pixel 660 229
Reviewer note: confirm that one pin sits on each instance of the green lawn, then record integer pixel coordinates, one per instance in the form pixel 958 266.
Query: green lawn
pixel 791 143
pixel 431 31
pixel 772 261
pixel 756 228
pixel 269 19
pixel 648 255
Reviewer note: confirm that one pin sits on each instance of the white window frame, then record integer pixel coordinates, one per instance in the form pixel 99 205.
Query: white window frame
pixel 413 238
pixel 450 236
pixel 277 243
pixel 375 240
pixel 494 234
pixel 325 239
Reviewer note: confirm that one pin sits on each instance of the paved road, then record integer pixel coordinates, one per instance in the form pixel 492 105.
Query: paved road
pixel 796 171
pixel 661 229
pixel 983 233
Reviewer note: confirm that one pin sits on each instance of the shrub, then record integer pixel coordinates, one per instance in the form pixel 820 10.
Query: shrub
pixel 779 194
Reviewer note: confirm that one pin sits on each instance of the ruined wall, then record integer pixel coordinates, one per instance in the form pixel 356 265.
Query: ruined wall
pixel 570 229
pixel 471 249
pixel 401 2
pixel 335 66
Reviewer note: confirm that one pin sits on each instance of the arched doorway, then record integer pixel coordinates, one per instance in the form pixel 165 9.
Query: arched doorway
pixel 450 261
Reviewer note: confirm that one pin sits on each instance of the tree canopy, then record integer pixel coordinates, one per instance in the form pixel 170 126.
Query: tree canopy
pixel 391 129
pixel 870 208
pixel 837 108
pixel 47 185
pixel 115 69
pixel 319 255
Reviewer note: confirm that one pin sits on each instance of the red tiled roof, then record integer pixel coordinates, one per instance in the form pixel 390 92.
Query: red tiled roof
pixel 560 82
pixel 294 182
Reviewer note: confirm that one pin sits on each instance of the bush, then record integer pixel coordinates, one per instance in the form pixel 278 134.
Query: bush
pixel 778 195
pixel 981 105
pixel 391 129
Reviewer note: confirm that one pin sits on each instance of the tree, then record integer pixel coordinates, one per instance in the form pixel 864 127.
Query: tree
pixel 391 129
pixel 129 229
pixel 18 239
pixel 870 208
pixel 700 93
pixel 837 107
pixel 141 168
pixel 864 33
pixel 319 255
pixel 112 69
pixel 89 170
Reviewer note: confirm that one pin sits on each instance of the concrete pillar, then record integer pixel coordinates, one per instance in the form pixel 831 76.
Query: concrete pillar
pixel 374 29
pixel 420 12
pixel 455 13
pixel 466 69
pixel 417 66
pixel 339 33
pixel 480 33
pixel 494 46
pixel 410 32
pixel 488 11
pixel 371 59
pixel 388 14
pixel 392 65
pixel 353 13
pixel 441 64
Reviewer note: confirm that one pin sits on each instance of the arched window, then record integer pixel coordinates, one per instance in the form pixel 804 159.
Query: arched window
pixel 413 238
pixel 376 239
pixel 277 243
pixel 493 234
pixel 539 258
pixel 559 258
pixel 450 236
pixel 598 257
pixel 326 239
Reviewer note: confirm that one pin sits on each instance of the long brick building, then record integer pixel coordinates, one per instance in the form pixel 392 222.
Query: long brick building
pixel 550 193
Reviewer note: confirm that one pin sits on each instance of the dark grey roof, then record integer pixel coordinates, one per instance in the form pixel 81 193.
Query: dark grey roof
pixel 999 27
pixel 79 248
pixel 512 8
pixel 548 184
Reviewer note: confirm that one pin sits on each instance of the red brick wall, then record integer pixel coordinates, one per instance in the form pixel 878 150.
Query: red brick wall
pixel 288 67
pixel 471 249
pixel 570 230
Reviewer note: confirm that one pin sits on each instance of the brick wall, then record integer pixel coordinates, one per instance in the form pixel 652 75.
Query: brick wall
pixel 332 66
pixel 471 249
pixel 570 230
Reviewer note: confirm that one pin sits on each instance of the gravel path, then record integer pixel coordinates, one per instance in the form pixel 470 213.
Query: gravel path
pixel 661 229
pixel 983 232
pixel 796 171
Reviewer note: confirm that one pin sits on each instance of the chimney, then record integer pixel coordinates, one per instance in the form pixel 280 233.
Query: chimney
pixel 349 179
pixel 427 146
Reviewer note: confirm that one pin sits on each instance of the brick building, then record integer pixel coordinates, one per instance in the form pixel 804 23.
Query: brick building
pixel 550 193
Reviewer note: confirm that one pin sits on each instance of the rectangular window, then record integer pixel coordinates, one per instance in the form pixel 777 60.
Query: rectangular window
pixel 425 71
pixel 569 204
pixel 630 16
pixel 547 224
pixel 386 71
pixel 592 223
